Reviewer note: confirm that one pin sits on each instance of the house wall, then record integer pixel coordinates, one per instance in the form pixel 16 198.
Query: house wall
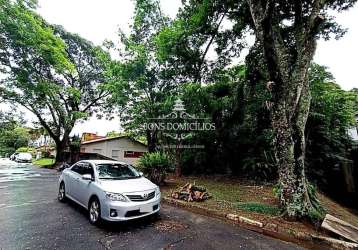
pixel 115 149
pixel 353 133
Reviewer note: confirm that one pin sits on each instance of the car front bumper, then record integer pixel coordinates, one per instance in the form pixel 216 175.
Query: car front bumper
pixel 129 210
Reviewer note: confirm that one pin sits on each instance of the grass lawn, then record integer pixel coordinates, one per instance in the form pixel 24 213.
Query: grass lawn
pixel 245 198
pixel 44 162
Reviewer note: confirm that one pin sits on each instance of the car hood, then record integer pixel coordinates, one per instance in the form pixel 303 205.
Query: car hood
pixel 126 186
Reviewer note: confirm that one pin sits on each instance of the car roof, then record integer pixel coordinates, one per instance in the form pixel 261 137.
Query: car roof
pixel 104 162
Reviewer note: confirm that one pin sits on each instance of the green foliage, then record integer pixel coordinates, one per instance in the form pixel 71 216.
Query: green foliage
pixel 332 113
pixel 44 162
pixel 23 28
pixel 75 144
pixel 156 166
pixel 276 190
pixel 113 134
pixel 46 154
pixel 185 44
pixel 26 150
pixel 260 168
pixel 12 134
pixel 241 143
pixel 313 209
pixel 141 85
pixel 317 211
pixel 56 75
pixel 259 208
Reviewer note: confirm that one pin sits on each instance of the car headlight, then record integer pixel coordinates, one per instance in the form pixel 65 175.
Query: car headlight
pixel 116 197
pixel 157 191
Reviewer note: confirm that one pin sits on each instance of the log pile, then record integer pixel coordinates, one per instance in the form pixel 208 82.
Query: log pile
pixel 190 192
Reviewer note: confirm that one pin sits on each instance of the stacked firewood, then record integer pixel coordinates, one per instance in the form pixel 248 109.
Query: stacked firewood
pixel 190 192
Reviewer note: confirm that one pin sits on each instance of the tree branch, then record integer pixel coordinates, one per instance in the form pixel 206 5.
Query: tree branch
pixel 44 124
pixel 208 47
pixel 95 101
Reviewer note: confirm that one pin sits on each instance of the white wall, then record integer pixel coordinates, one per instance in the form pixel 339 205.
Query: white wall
pixel 110 148
pixel 353 133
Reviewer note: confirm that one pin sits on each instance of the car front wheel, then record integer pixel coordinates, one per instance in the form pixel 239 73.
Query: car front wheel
pixel 62 192
pixel 95 212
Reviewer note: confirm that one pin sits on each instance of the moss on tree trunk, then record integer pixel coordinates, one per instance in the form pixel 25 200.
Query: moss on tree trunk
pixel 288 54
pixel 297 196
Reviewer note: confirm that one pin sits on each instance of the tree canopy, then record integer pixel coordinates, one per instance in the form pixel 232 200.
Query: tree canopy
pixel 56 75
pixel 12 133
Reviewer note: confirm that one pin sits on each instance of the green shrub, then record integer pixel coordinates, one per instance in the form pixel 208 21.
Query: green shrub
pixel 155 166
pixel 46 154
pixel 26 150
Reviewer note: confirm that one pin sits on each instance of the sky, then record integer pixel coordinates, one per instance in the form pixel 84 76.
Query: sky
pixel 98 20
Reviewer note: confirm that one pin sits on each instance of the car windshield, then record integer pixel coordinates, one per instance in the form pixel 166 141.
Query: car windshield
pixel 24 155
pixel 116 171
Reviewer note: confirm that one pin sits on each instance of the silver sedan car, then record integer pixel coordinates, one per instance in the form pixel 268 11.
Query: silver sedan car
pixel 109 190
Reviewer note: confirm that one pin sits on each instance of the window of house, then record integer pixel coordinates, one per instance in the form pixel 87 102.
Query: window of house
pixel 132 154
pixel 115 154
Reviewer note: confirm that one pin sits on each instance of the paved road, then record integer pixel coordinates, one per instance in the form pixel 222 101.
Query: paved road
pixel 32 218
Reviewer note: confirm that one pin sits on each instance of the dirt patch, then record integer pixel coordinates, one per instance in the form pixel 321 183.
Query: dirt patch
pixel 169 226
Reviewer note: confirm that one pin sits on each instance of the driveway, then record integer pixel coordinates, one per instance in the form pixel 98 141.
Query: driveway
pixel 32 218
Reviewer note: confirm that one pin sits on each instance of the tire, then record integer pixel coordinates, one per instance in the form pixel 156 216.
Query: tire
pixel 94 211
pixel 62 192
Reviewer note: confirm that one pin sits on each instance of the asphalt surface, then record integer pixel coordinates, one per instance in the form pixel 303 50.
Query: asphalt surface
pixel 32 218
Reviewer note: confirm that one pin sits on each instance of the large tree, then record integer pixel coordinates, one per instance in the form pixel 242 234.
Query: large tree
pixel 141 82
pixel 287 32
pixel 56 75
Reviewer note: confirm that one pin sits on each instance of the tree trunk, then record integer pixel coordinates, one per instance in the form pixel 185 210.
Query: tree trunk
pixel 60 152
pixel 177 159
pixel 151 140
pixel 287 66
pixel 296 196
pixel 61 147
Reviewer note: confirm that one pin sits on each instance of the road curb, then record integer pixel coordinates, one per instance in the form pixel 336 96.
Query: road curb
pixel 270 229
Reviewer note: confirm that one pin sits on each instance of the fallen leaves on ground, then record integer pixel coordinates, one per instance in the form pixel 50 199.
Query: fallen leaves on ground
pixel 169 226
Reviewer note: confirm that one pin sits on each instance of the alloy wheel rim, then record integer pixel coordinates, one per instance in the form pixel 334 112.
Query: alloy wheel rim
pixel 61 192
pixel 94 211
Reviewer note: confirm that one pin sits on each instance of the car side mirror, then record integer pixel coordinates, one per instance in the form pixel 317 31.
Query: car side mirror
pixel 87 177
pixel 141 174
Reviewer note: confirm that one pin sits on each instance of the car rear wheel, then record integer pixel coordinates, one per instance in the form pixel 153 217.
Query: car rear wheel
pixel 95 211
pixel 62 192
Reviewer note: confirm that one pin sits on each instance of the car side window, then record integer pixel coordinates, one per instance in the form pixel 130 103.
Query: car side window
pixel 87 169
pixel 76 168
